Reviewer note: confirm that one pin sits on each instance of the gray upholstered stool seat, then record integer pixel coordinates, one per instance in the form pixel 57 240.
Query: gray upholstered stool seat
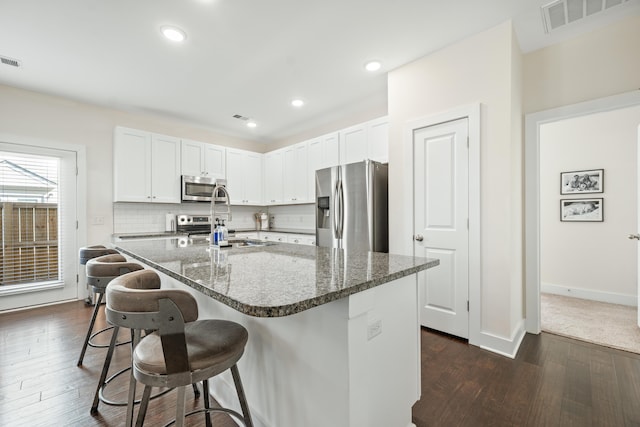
pixel 182 350
pixel 213 347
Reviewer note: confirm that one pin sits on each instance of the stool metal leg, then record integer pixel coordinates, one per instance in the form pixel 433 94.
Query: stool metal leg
pixel 144 404
pixel 243 400
pixel 135 339
pixel 105 369
pixel 207 404
pixel 180 407
pixel 93 321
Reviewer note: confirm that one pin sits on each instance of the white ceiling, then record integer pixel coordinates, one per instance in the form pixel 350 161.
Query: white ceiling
pixel 246 57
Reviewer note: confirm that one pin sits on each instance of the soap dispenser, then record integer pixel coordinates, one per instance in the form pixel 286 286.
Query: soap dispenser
pixel 224 235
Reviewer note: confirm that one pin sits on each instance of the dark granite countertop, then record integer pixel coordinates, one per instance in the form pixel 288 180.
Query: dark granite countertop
pixel 275 280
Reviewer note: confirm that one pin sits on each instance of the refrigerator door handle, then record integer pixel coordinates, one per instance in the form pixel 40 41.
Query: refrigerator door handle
pixel 341 208
pixel 335 211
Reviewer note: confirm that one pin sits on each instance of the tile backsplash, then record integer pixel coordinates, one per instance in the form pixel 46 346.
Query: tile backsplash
pixel 150 217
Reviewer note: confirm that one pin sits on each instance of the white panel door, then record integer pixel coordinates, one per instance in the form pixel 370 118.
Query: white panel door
pixel 441 224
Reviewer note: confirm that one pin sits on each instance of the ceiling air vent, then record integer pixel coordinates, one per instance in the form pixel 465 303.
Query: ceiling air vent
pixel 9 61
pixel 239 117
pixel 562 12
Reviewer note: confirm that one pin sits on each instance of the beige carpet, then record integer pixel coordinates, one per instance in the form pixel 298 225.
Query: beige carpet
pixel 611 325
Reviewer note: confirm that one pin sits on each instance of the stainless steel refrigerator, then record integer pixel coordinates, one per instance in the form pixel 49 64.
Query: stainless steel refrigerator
pixel 352 207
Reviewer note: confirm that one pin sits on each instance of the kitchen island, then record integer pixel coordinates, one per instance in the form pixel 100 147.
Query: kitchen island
pixel 333 336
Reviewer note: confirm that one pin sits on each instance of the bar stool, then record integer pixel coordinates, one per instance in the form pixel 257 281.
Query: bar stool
pixel 101 271
pixel 86 254
pixel 182 350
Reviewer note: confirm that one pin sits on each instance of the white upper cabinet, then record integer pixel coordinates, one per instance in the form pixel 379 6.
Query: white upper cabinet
pixel 322 152
pixel 165 169
pixel 296 174
pixel 353 144
pixel 146 167
pixel 368 140
pixel 202 159
pixel 274 177
pixel 244 177
pixel 378 140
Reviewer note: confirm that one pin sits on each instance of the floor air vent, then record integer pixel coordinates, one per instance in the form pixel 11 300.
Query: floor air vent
pixel 562 12
pixel 9 61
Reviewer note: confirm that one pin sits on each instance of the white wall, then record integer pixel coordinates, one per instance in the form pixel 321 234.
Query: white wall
pixel 595 65
pixel 484 68
pixel 35 115
pixel 592 260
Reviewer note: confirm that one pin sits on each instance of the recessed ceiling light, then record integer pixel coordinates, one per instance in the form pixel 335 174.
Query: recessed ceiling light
pixel 372 66
pixel 297 103
pixel 251 124
pixel 174 34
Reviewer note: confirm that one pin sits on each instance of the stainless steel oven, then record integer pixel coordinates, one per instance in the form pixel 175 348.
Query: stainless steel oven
pixel 200 188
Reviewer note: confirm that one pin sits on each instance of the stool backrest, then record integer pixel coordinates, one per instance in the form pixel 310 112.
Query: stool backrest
pixel 90 252
pixel 139 292
pixel 111 266
pixel 135 301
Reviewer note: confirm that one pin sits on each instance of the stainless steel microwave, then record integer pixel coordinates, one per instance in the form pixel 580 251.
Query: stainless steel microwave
pixel 200 188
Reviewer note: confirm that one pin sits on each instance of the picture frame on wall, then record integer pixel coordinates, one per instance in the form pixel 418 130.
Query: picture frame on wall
pixel 582 182
pixel 582 210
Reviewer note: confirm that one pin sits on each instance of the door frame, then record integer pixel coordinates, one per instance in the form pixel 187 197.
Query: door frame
pixel 533 122
pixel 472 114
pixel 81 193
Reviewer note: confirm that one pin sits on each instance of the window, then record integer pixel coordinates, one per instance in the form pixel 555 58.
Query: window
pixel 29 219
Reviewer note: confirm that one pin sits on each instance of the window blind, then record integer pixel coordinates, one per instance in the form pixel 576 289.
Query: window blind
pixel 29 220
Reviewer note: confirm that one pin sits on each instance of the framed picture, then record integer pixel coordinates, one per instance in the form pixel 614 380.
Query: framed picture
pixel 580 182
pixel 581 210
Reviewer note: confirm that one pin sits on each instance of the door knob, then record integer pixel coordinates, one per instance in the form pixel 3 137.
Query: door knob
pixel 634 236
pixel 418 238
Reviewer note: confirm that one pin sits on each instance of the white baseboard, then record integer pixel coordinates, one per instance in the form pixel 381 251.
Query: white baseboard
pixel 610 297
pixel 507 347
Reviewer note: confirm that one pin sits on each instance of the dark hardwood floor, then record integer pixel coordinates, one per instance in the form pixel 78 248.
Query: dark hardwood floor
pixel 553 381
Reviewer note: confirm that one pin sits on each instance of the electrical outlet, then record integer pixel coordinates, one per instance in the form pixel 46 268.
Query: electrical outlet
pixel 374 329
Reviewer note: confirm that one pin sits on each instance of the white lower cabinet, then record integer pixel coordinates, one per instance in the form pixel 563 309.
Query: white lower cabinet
pixel 301 239
pixel 252 235
pixel 274 236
